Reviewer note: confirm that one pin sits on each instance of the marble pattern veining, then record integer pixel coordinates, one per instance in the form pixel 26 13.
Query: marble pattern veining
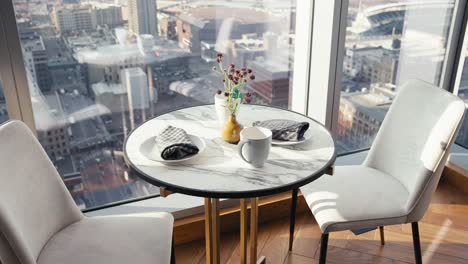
pixel 219 168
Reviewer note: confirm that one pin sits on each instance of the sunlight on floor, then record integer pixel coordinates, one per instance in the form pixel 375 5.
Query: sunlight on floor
pixel 437 240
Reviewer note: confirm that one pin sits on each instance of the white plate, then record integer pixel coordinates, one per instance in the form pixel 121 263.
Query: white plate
pixel 148 149
pixel 307 136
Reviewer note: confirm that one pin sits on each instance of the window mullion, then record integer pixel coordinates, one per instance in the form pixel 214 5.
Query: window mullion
pixel 302 53
pixel 18 72
pixel 9 86
pixel 329 27
pixel 454 48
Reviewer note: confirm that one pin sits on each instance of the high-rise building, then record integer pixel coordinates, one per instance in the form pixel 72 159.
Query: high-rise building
pixel 135 82
pixel 36 60
pixel 72 18
pixel 110 15
pixel 142 17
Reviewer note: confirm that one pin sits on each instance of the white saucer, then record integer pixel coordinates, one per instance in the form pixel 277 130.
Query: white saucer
pixel 307 136
pixel 148 149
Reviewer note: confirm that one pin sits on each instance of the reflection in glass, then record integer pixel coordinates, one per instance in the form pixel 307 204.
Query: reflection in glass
pixel 387 43
pixel 97 69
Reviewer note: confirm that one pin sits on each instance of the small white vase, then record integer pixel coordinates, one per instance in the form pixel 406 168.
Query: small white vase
pixel 222 111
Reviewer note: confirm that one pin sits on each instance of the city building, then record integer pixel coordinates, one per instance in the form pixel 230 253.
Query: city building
pixel 69 18
pixel 252 47
pixel 114 97
pixel 35 59
pixel 142 17
pixel 238 51
pixel 110 15
pixel 168 27
pixel 135 82
pixel 52 131
pixel 167 61
pixel 371 64
pixel 272 82
pixel 65 72
pixel 68 169
pixel 211 25
pixel 389 18
pixel 361 114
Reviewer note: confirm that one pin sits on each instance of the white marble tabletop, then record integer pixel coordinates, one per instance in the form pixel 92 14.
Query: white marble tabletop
pixel 219 172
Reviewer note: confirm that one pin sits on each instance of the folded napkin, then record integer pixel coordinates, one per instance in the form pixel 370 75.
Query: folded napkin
pixel 173 143
pixel 285 130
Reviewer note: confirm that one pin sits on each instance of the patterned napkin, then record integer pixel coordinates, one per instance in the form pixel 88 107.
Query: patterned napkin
pixel 285 130
pixel 174 144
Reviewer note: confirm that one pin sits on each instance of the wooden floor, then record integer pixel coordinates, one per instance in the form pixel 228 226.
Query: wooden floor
pixel 443 230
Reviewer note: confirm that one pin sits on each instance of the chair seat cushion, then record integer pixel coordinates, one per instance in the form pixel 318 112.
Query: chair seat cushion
pixel 142 239
pixel 356 197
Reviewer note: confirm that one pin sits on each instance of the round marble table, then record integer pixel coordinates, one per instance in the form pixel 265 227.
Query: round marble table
pixel 219 172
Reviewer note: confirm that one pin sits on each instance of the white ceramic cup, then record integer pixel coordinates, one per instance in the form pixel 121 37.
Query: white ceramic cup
pixel 254 146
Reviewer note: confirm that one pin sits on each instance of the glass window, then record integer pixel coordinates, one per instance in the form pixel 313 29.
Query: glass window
pixel 460 149
pixel 462 138
pixel 387 42
pixel 3 107
pixel 97 69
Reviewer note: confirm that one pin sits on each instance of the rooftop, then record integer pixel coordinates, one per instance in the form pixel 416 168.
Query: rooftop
pixel 32 43
pixel 57 52
pixel 372 105
pixel 113 88
pixel 200 15
pixel 85 40
pixel 123 53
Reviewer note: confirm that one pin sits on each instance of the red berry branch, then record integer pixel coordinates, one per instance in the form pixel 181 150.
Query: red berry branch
pixel 234 83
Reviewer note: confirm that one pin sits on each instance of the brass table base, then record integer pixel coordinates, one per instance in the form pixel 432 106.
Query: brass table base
pixel 212 231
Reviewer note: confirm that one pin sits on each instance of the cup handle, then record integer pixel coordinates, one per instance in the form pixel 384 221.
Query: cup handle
pixel 239 149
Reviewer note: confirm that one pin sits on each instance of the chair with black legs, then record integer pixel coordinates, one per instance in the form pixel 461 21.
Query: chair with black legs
pixel 395 183
pixel 40 223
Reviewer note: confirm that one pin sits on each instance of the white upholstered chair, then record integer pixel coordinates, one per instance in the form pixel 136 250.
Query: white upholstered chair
pixel 395 183
pixel 40 223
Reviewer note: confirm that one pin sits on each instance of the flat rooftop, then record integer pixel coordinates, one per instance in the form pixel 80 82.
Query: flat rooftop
pixel 200 15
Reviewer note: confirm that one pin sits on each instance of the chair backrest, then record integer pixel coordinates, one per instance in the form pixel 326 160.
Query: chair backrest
pixel 414 140
pixel 34 202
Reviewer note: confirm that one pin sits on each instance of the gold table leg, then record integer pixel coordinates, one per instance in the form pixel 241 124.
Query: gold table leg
pixel 212 231
pixel 243 231
pixel 208 231
pixel 253 229
pixel 216 231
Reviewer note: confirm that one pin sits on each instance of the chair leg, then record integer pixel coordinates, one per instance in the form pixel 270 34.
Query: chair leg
pixel 416 243
pixel 292 218
pixel 172 252
pixel 323 249
pixel 382 236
